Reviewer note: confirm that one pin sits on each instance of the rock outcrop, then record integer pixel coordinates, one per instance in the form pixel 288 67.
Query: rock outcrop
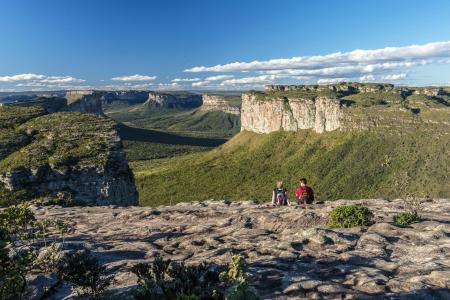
pixel 173 100
pixel 130 97
pixel 291 254
pixel 84 101
pixel 219 103
pixel 289 114
pixel 68 156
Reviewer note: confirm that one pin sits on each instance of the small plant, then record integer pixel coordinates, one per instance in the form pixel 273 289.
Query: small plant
pixel 346 216
pixel 164 279
pixel 406 218
pixel 236 276
pixel 83 269
pixel 167 280
pixel 21 237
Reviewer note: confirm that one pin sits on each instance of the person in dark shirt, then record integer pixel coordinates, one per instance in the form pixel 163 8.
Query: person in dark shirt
pixel 304 194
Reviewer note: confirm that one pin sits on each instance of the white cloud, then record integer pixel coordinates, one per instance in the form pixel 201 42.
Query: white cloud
pixel 331 80
pixel 169 86
pixel 135 77
pixel 409 54
pixel 394 76
pixel 367 78
pixel 250 80
pixel 218 77
pixel 186 79
pixel 38 78
pixel 21 77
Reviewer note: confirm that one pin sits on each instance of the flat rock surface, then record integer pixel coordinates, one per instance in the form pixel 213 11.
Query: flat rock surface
pixel 290 252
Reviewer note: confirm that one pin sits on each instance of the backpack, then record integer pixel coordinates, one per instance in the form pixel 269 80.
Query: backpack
pixel 280 196
pixel 307 196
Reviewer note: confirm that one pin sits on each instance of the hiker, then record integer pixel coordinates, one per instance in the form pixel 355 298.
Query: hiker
pixel 280 195
pixel 304 194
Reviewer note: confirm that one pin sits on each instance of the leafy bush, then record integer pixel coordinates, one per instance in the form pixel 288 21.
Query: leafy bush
pixel 240 288
pixel 164 280
pixel 406 218
pixel 21 236
pixel 347 216
pixel 83 269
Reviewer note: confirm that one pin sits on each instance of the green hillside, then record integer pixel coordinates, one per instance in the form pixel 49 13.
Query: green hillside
pixel 338 165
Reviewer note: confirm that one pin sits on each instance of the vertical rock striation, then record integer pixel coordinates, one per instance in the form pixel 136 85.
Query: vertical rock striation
pixel 264 116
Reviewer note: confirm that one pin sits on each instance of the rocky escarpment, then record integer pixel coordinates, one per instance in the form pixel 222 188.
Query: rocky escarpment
pixel 67 156
pixel 84 101
pixel 219 103
pixel 345 106
pixel 291 254
pixel 289 114
pixel 129 97
pixel 173 100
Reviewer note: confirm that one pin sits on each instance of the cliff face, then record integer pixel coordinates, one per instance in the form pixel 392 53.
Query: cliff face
pixel 130 97
pixel 173 100
pixel 70 156
pixel 219 103
pixel 320 114
pixel 84 102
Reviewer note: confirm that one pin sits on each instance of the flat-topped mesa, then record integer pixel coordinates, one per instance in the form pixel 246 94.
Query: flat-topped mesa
pixel 130 96
pixel 74 154
pixel 219 103
pixel 84 101
pixel 173 100
pixel 289 114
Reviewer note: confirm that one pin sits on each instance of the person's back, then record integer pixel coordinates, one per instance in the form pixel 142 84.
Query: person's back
pixel 280 195
pixel 304 194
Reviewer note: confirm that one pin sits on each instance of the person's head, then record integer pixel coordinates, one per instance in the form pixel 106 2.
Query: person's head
pixel 279 184
pixel 303 181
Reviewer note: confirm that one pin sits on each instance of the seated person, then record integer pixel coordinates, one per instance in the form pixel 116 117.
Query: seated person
pixel 280 195
pixel 304 194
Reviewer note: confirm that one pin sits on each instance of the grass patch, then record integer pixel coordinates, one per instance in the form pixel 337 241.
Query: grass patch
pixel 406 218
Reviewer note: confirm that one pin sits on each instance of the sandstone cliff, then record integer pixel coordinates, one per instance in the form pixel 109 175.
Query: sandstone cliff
pixel 69 156
pixel 221 103
pixel 84 101
pixel 130 97
pixel 289 114
pixel 344 106
pixel 173 100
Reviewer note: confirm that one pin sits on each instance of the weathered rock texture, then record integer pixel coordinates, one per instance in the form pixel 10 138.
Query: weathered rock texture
pixel 290 114
pixel 219 103
pixel 84 101
pixel 130 97
pixel 68 155
pixel 290 252
pixel 171 100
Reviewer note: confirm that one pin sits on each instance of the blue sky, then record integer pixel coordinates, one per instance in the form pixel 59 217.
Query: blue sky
pixel 54 44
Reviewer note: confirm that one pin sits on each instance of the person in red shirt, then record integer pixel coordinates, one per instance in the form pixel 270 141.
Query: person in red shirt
pixel 304 194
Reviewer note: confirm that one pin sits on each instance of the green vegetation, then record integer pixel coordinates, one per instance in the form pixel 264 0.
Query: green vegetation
pixel 346 216
pixel 294 94
pixel 370 99
pixel 84 271
pixel 21 235
pixel 166 280
pixel 60 140
pixel 406 218
pixel 337 164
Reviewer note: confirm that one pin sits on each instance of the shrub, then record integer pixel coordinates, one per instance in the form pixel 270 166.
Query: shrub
pixel 347 216
pixel 84 271
pixel 167 280
pixel 164 279
pixel 406 218
pixel 21 236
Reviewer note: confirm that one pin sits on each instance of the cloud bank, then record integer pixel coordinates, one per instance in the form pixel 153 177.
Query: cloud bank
pixel 135 77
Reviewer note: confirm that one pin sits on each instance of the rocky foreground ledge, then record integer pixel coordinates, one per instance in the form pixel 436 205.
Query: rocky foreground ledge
pixel 290 252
